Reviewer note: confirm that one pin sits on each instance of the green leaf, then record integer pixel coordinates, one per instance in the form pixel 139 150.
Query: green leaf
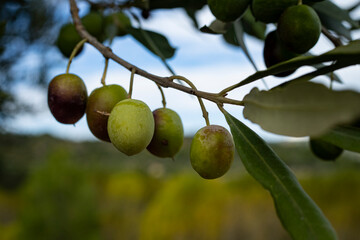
pixel 333 11
pixel 235 36
pixel 216 27
pixel 300 216
pixel 346 55
pixel 331 75
pixel 301 109
pixel 192 15
pixel 346 137
pixel 155 42
pixel 252 27
pixel 335 25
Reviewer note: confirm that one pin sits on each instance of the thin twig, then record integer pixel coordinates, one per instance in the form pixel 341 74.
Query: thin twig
pixel 74 52
pixel 162 81
pixel 336 41
pixel 105 71
pixel 202 105
pixel 133 71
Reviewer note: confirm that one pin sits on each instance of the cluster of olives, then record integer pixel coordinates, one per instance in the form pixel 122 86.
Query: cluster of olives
pixel 298 25
pixel 100 26
pixel 131 127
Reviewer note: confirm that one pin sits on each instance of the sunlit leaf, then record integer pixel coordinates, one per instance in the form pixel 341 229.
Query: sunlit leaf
pixel 301 109
pixel 298 213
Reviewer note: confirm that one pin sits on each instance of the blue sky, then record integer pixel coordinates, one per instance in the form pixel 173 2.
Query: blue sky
pixel 202 58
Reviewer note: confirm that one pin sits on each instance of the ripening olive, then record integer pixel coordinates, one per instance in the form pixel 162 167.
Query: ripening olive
pixel 67 97
pixel 212 151
pixel 169 133
pixel 100 102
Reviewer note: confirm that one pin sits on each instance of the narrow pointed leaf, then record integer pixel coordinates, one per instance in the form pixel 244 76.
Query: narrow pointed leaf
pixel 300 216
pixel 348 55
pixel 346 137
pixel 216 27
pixel 335 25
pixel 332 10
pixel 252 27
pixel 235 36
pixel 161 48
pixel 301 109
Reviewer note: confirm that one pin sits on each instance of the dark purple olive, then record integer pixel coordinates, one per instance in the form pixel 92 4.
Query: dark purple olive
pixel 67 97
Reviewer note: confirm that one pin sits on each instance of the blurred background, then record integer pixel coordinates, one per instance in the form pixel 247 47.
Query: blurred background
pixel 59 182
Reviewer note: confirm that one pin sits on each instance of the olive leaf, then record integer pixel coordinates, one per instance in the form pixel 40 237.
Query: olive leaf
pixel 335 25
pixel 155 42
pixel 333 11
pixel 235 36
pixel 298 213
pixel 346 137
pixel 252 27
pixel 301 109
pixel 216 27
pixel 344 56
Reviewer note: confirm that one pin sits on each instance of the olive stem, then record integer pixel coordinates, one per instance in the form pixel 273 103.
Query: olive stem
pixel 203 109
pixel 105 71
pixel 162 95
pixel 300 2
pixel 336 41
pixel 74 51
pixel 131 82
pixel 103 113
pixel 162 81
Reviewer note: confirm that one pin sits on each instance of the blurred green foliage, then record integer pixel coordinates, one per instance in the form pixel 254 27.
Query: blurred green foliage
pixel 91 191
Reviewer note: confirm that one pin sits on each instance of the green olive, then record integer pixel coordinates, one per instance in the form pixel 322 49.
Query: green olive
pixel 94 24
pixel 212 151
pixel 131 126
pixel 269 11
pixel 228 10
pixel 169 133
pixel 67 40
pixel 299 28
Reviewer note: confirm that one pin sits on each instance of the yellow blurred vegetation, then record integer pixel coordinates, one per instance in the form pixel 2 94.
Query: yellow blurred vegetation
pixel 68 195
